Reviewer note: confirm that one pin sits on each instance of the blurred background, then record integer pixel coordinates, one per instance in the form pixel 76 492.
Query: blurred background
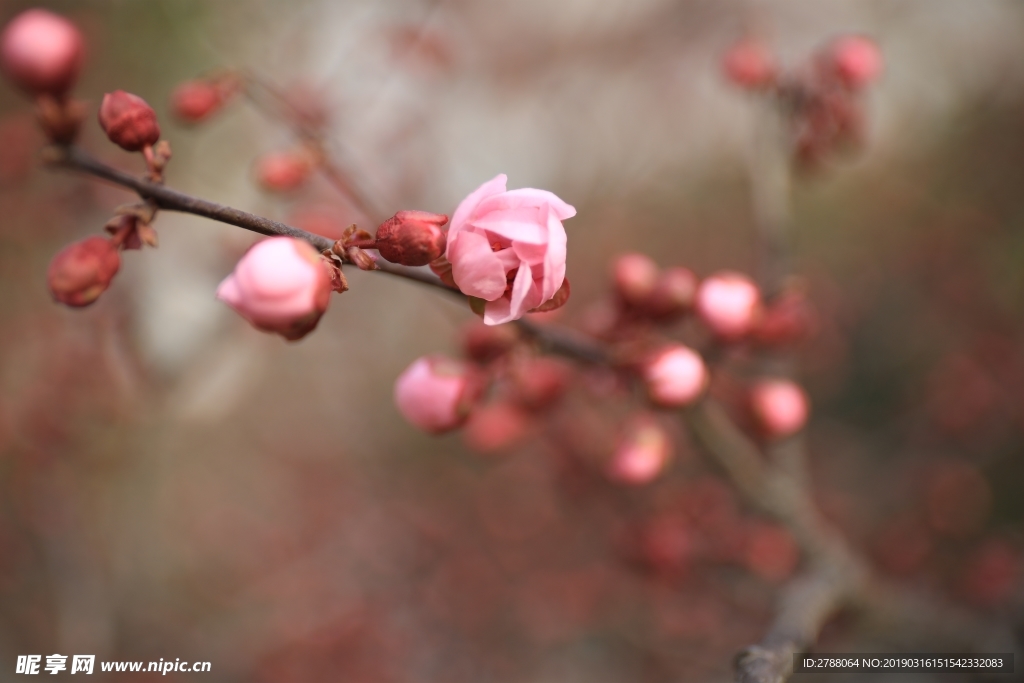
pixel 175 484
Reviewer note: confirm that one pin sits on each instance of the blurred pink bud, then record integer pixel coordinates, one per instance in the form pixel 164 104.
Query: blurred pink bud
pixel 634 277
pixel 779 406
pixel 485 343
pixel 857 60
pixel 41 52
pixel 494 427
pixel 194 101
pixel 675 376
pixel 412 238
pixel 729 303
pixel 749 64
pixel 283 171
pixel 771 553
pixel 540 382
pixel 642 453
pixel 787 320
pixel 990 576
pixel 508 248
pixel 673 295
pixel 81 271
pixel 436 393
pixel 279 286
pixel 128 121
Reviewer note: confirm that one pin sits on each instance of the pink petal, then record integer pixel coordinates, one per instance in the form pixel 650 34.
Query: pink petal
pixel 468 206
pixel 477 270
pixel 529 196
pixel 554 259
pixel 228 291
pixel 498 311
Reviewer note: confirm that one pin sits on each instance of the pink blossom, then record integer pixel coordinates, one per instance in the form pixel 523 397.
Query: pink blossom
pixel 857 60
pixel 675 376
pixel 508 248
pixel 729 304
pixel 41 52
pixel 634 276
pixel 279 286
pixel 436 393
pixel 642 453
pixel 749 64
pixel 780 406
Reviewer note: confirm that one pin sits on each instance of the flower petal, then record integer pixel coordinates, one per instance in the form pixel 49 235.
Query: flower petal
pixel 476 269
pixel 468 205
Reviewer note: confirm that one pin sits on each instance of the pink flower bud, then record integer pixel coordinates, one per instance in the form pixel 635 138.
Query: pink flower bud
pixel 279 286
pixel 856 60
pixel 540 382
pixel 991 574
pixel 494 427
pixel 485 343
pixel 508 248
pixel 787 320
pixel 283 171
pixel 128 121
pixel 675 376
pixel 194 101
pixel 729 304
pixel 673 295
pixel 642 452
pixel 779 406
pixel 749 64
pixel 41 52
pixel 634 276
pixel 412 238
pixel 81 271
pixel 436 393
pixel 771 552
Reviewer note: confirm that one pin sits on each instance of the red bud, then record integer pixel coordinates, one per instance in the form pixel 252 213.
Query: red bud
pixel 412 238
pixel 194 101
pixel 81 271
pixel 128 121
pixel 283 171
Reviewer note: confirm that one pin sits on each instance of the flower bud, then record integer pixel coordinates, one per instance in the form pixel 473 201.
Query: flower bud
pixel 749 64
pixel 194 101
pixel 857 60
pixel 128 121
pixel 485 343
pixel 280 286
pixel 412 238
pixel 634 277
pixel 436 393
pixel 729 304
pixel 771 552
pixel 81 271
pixel 779 406
pixel 992 573
pixel 494 427
pixel 675 376
pixel 787 320
pixel 283 171
pixel 642 452
pixel 673 295
pixel 41 52
pixel 540 382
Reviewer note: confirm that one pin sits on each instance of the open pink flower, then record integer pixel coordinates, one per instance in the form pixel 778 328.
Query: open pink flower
pixel 436 393
pixel 508 248
pixel 279 286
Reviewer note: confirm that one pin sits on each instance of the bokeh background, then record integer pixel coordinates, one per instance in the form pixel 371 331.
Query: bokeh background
pixel 175 484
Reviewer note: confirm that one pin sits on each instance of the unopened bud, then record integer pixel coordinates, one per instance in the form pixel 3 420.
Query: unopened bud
pixel 485 343
pixel 779 406
pixel 436 393
pixel 787 320
pixel 540 382
pixel 128 121
pixel 749 64
pixel 642 452
pixel 494 427
pixel 83 270
pixel 41 52
pixel 634 276
pixel 729 304
pixel 673 295
pixel 412 238
pixel 195 101
pixel 283 171
pixel 856 60
pixel 675 376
